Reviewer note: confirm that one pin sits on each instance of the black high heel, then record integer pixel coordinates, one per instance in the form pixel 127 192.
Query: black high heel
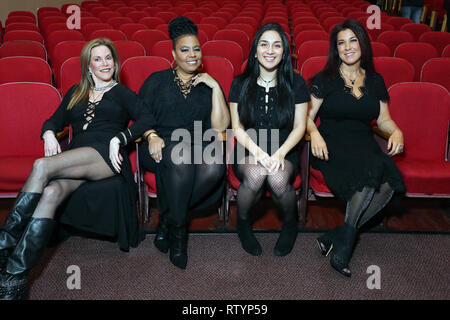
pixel 325 241
pixel 340 257
pixel 178 246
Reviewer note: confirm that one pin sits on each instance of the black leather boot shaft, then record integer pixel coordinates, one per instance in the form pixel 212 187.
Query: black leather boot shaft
pixel 178 246
pixel 18 218
pixel 31 245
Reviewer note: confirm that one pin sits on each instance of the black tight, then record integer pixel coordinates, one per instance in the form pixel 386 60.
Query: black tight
pixel 58 176
pixel 254 177
pixel 366 204
pixel 182 186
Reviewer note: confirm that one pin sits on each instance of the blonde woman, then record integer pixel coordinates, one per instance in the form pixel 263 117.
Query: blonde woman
pixel 99 110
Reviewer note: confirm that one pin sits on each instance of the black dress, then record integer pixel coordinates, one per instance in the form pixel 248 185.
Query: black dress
pixel 106 207
pixel 355 158
pixel 171 111
pixel 269 121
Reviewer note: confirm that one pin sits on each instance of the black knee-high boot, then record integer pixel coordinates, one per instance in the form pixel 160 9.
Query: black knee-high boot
pixel 16 222
pixel 13 283
pixel 178 245
pixel 343 246
pixel 161 241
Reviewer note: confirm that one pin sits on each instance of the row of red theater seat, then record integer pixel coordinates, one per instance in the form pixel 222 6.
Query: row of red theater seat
pixel 411 62
pixel 413 106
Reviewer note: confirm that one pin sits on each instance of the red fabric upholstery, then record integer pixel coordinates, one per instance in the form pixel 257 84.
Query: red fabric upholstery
pixel 23 48
pixel 220 69
pixel 438 39
pixel 380 50
pixel 398 22
pixel 20 129
pixel 394 70
pixel 21 26
pixel 422 111
pixel 437 70
pixel 148 38
pixel 113 35
pixel 131 28
pixel 128 49
pixel 313 48
pixel 309 35
pixel 151 22
pixel 226 49
pixel 117 21
pixel 417 53
pixel 70 74
pixel 62 52
pixel 416 29
pixel 238 36
pixel 393 38
pixel 23 35
pixel 58 36
pixel 312 66
pixel 164 49
pixel 446 52
pixel 88 28
pixel 135 70
pixel 25 69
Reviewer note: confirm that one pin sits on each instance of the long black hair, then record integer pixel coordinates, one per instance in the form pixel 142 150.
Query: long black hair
pixel 331 68
pixel 284 87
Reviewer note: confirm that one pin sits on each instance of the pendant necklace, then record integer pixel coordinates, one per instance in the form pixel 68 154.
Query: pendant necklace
pixel 267 83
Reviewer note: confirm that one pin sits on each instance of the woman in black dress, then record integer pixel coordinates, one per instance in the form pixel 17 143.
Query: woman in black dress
pixel 183 101
pixel 350 94
pixel 99 110
pixel 268 97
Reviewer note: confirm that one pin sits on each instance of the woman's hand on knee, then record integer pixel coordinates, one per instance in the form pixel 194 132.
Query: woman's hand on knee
pixel 114 154
pixel 155 146
pixel 277 161
pixel 51 144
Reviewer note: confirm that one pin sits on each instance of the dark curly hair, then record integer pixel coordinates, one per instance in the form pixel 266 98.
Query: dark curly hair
pixel 181 26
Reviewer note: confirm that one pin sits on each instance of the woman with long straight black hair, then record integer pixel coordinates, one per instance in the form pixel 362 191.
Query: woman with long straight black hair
pixel 270 100
pixel 350 95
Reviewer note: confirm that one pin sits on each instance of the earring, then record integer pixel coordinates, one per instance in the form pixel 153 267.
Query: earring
pixel 171 64
pixel 90 72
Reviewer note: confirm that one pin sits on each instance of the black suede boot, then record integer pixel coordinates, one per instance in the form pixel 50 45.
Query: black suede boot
pixel 248 240
pixel 342 251
pixel 286 240
pixel 13 283
pixel 178 246
pixel 161 241
pixel 16 222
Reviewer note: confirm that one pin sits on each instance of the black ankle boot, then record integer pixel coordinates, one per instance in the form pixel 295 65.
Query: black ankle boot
pixel 14 285
pixel 178 246
pixel 325 241
pixel 248 240
pixel 342 251
pixel 286 240
pixel 161 241
pixel 16 222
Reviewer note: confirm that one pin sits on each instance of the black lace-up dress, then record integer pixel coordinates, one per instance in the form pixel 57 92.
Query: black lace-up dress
pixel 267 122
pixel 106 207
pixel 355 158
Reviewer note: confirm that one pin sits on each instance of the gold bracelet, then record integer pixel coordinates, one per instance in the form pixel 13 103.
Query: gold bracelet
pixel 151 135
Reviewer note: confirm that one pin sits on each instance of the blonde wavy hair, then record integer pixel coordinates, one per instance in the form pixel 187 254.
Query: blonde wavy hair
pixel 81 92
